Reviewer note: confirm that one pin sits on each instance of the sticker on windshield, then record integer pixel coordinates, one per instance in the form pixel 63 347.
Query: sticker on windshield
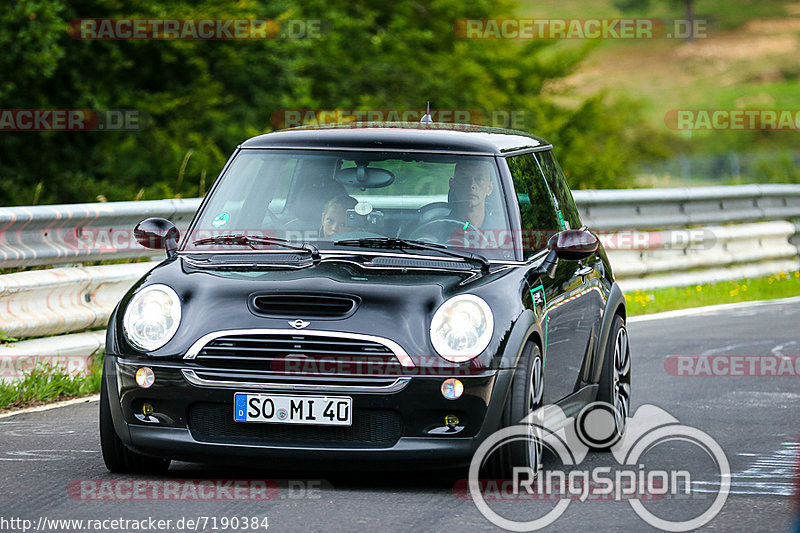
pixel 363 208
pixel 220 220
pixel 561 220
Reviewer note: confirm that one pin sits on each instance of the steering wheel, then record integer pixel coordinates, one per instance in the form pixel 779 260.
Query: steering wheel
pixel 434 210
pixel 427 232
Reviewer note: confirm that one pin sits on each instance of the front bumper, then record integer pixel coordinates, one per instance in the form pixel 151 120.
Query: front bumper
pixel 195 423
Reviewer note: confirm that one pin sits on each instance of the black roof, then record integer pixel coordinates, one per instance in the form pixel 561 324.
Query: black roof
pixel 401 136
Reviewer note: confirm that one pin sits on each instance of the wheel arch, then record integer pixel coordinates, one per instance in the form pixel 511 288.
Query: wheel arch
pixel 615 306
pixel 526 328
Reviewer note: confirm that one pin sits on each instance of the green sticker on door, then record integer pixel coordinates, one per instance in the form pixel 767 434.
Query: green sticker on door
pixel 540 309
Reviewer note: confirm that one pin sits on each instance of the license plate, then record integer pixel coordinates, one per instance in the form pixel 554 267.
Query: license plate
pixel 284 409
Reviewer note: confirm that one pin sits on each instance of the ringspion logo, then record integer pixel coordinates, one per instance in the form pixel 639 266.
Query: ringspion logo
pixel 634 480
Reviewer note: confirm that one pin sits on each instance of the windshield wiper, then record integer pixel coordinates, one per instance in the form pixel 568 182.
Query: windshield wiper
pixel 251 241
pixel 393 243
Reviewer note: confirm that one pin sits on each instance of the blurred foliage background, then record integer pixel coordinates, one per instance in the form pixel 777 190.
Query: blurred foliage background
pixel 601 103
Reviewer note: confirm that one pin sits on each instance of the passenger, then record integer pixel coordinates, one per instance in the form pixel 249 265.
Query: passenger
pixel 470 185
pixel 334 215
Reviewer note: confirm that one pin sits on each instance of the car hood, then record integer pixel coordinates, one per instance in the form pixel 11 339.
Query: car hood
pixel 394 303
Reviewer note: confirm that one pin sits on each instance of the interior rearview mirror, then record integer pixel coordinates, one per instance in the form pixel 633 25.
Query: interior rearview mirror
pixel 365 178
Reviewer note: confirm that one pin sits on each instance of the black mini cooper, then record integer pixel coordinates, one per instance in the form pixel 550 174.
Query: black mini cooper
pixel 381 293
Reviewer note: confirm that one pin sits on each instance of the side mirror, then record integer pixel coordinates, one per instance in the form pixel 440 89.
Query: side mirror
pixel 158 234
pixel 573 244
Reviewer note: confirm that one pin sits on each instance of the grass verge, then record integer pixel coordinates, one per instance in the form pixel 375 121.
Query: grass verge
pixel 780 285
pixel 47 383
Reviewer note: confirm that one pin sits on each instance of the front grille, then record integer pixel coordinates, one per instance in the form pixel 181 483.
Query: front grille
pixel 288 354
pixel 304 305
pixel 372 428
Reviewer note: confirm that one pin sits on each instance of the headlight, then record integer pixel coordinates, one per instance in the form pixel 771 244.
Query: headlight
pixel 462 328
pixel 152 317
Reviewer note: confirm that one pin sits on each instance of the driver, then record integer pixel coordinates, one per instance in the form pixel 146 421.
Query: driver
pixel 470 185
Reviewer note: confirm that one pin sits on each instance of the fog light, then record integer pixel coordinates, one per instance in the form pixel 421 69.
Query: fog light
pixel 452 389
pixel 145 377
pixel 147 409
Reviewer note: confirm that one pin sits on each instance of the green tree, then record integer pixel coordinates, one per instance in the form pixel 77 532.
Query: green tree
pixel 202 98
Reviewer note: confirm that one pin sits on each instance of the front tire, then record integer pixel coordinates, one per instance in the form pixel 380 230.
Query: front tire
pixel 525 397
pixel 117 457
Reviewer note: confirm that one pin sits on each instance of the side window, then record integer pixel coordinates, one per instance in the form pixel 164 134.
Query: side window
pixel 539 220
pixel 558 186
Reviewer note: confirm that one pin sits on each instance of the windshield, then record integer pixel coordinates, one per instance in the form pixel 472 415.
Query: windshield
pixel 320 197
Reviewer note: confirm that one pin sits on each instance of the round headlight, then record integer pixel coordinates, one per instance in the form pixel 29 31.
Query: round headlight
pixel 461 328
pixel 152 317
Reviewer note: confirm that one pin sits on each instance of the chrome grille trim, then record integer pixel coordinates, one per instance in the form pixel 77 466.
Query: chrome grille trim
pixel 398 385
pixel 396 349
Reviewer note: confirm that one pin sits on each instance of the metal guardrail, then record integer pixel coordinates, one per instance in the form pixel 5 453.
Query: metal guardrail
pixel 674 258
pixel 58 234
pixel 684 207
pixel 72 352
pixel 61 300
pixel 759 238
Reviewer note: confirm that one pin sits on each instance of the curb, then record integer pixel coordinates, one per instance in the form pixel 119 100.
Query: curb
pixel 47 407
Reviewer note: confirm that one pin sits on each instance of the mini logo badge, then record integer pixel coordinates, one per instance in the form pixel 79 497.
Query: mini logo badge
pixel 299 324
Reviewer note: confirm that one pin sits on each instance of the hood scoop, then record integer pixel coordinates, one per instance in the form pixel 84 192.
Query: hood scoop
pixel 303 305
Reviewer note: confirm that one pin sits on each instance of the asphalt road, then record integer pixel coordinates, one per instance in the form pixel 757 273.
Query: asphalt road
pixel 46 455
